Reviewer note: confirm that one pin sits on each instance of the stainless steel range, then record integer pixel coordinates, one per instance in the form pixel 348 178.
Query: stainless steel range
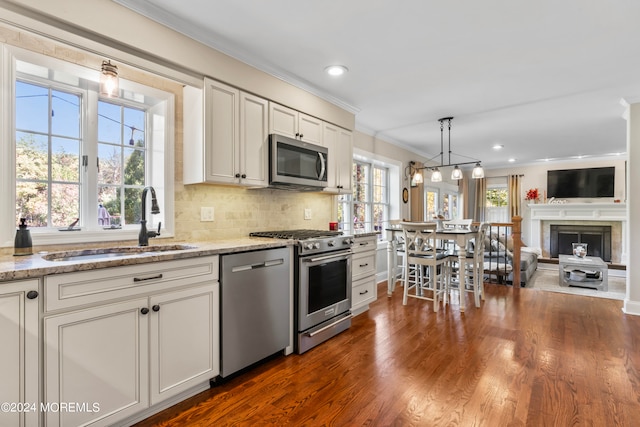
pixel 323 283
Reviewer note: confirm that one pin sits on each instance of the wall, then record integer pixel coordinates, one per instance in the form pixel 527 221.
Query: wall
pixel 535 176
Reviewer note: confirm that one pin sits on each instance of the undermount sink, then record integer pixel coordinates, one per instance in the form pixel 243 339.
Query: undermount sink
pixel 106 253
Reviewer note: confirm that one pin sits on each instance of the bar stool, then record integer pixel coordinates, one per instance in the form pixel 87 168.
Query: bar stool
pixel 472 278
pixel 421 251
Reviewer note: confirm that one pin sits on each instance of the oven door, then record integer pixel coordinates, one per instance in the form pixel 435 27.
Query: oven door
pixel 324 287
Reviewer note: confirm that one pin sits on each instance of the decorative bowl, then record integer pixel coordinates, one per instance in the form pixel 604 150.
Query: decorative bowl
pixel 580 249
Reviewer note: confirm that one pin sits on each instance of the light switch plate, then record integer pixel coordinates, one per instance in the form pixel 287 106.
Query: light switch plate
pixel 206 214
pixel 307 213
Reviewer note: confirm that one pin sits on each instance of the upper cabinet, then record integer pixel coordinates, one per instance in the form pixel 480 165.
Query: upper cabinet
pixel 294 124
pixel 340 144
pixel 226 138
pixel 234 146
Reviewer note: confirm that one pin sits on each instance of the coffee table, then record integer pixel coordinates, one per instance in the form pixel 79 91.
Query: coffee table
pixel 587 272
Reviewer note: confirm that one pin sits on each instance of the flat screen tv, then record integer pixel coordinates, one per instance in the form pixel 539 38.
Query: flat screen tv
pixel 573 183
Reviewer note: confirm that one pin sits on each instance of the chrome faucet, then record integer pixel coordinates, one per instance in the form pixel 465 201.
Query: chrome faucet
pixel 143 237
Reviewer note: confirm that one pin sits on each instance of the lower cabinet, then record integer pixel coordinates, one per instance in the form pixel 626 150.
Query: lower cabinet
pixel 115 360
pixel 363 273
pixel 19 362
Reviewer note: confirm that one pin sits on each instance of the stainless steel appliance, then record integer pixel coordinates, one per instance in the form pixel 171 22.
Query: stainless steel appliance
pixel 255 295
pixel 322 264
pixel 296 165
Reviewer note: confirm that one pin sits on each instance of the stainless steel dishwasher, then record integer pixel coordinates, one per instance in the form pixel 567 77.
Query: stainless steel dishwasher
pixel 255 301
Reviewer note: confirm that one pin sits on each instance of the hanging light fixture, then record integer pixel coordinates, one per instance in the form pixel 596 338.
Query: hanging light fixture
pixel 414 174
pixel 109 85
pixel 456 173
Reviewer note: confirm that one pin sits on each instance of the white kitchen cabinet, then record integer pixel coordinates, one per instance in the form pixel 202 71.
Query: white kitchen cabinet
pixel 19 362
pixel 363 274
pixel 340 163
pixel 184 337
pixel 294 124
pixel 129 338
pixel 234 146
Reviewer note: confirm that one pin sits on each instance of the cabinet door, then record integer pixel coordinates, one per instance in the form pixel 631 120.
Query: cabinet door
pixel 344 160
pixel 310 129
pixel 184 340
pixel 97 357
pixel 254 140
pixel 19 352
pixel 283 120
pixel 330 141
pixel 222 149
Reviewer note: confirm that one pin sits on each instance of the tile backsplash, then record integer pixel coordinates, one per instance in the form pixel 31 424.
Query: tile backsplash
pixel 239 211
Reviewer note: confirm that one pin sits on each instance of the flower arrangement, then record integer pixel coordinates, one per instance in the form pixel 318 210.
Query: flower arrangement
pixel 532 194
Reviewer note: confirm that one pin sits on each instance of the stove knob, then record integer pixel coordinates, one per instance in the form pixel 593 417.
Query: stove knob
pixel 316 245
pixel 308 245
pixel 331 243
pixel 349 241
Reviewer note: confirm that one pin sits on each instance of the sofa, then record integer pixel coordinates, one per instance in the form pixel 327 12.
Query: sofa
pixel 498 259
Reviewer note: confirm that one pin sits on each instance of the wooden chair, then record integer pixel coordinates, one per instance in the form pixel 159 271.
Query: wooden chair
pixel 431 265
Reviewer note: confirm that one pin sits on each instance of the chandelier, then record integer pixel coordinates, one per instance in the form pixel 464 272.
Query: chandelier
pixel 456 173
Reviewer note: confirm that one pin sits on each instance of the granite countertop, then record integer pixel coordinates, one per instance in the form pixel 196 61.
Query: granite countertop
pixel 35 266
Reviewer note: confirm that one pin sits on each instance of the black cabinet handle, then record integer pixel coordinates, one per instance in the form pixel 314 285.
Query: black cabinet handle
pixel 144 310
pixel 244 175
pixel 364 265
pixel 142 279
pixel 301 136
pixel 237 175
pixel 32 294
pixel 155 308
pixel 298 134
pixel 365 292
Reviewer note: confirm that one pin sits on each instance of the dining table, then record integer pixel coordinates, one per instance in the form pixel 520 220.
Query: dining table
pixel 460 236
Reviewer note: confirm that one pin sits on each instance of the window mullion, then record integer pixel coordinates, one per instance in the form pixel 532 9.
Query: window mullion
pixel 89 174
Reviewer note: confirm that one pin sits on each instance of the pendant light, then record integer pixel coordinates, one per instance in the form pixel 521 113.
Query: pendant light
pixel 478 172
pixel 109 85
pixel 436 175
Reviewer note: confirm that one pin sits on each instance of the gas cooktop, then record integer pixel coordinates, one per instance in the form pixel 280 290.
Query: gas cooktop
pixel 296 234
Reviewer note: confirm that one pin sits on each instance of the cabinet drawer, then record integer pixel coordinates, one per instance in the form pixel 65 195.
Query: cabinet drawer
pixel 71 290
pixel 363 244
pixel 363 264
pixel 363 291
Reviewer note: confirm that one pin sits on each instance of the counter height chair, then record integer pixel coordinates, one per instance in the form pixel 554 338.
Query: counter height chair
pixel 472 278
pixel 421 252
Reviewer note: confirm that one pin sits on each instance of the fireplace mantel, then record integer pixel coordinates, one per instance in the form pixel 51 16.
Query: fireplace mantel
pixel 579 211
pixel 605 212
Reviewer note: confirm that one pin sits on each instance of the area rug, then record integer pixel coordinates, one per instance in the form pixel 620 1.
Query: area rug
pixel 548 280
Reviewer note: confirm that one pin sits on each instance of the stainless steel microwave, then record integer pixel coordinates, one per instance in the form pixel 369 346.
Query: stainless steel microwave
pixel 296 165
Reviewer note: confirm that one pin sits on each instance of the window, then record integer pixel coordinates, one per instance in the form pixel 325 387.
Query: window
pixel 432 203
pixel 368 208
pixel 497 202
pixel 80 158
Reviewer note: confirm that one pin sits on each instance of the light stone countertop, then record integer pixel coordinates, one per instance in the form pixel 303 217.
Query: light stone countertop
pixel 35 266
pixel 366 233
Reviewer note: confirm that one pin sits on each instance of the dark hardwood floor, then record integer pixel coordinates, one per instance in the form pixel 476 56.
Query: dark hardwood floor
pixel 525 358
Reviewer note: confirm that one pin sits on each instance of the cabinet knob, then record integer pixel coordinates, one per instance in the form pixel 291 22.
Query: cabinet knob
pixel 32 294
pixel 298 134
pixel 244 175
pixel 237 175
pixel 144 310
pixel 155 308
pixel 301 136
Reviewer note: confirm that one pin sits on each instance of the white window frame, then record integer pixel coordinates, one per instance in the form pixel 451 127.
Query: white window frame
pixel 160 134
pixel 393 168
pixel 497 214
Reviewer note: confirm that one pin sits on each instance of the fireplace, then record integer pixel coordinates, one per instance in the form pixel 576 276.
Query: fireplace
pixel 597 238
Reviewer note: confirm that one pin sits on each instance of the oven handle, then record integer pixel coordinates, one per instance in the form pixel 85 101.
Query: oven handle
pixel 331 325
pixel 326 257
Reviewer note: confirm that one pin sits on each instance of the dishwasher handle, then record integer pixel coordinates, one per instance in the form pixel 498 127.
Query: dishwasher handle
pixel 265 264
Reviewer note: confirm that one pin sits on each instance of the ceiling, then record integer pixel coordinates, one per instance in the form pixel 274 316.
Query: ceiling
pixel 544 79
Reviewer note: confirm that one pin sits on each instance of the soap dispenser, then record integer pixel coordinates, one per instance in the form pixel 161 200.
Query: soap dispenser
pixel 23 245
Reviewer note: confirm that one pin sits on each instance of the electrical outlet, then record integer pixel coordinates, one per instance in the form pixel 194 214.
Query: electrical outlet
pixel 307 213
pixel 206 214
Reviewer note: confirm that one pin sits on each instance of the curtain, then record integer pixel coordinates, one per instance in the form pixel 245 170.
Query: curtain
pixel 514 204
pixel 480 200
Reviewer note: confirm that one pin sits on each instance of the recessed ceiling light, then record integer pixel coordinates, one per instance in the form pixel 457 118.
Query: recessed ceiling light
pixel 498 147
pixel 336 70
pixel 511 160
